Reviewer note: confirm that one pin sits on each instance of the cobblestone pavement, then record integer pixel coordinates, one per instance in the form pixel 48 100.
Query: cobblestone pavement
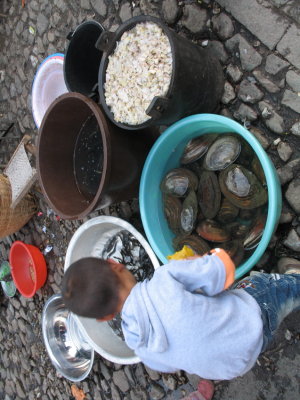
pixel 258 45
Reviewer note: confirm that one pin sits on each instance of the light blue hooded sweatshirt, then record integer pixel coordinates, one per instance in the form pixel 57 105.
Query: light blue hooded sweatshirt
pixel 213 333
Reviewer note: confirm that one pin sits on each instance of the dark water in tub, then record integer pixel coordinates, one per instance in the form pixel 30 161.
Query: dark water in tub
pixel 88 158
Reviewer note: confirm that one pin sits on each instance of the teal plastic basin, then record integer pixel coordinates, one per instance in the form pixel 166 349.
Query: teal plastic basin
pixel 165 155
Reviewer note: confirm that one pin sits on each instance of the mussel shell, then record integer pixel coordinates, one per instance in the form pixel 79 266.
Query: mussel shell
pixel 178 182
pixel 235 249
pixel 238 229
pixel 195 167
pixel 239 255
pixel 198 245
pixel 223 152
pixel 246 155
pixel 258 171
pixel 212 231
pixel 241 187
pixel 228 211
pixel 196 148
pixel 189 212
pixel 172 209
pixel 247 215
pixel 209 194
pixel 253 238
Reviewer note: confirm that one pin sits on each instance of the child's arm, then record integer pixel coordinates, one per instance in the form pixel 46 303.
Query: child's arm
pixel 212 273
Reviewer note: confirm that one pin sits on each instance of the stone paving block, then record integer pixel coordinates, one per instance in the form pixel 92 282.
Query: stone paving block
pixel 279 3
pixel 266 83
pixel 194 18
pixel 269 33
pixel 293 80
pixel 289 46
pixel 250 58
pixel 170 11
pixel 291 100
pixel 292 8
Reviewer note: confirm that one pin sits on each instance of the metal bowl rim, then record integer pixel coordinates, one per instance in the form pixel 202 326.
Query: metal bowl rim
pixel 49 349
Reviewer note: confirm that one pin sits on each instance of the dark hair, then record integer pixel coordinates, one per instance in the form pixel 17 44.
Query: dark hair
pixel 90 288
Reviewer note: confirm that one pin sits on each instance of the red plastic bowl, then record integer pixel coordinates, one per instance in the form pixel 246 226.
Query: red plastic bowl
pixel 28 268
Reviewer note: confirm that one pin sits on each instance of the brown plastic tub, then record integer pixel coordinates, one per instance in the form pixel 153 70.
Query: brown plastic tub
pixel 122 153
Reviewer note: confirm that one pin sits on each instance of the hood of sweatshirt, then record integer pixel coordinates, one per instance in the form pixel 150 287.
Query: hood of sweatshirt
pixel 140 323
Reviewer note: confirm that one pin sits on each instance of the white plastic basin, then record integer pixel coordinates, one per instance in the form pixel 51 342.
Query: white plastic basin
pixel 88 241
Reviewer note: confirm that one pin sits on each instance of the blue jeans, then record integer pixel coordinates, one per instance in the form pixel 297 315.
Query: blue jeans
pixel 277 295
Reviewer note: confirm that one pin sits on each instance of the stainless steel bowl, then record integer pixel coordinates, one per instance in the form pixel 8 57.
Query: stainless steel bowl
pixel 65 342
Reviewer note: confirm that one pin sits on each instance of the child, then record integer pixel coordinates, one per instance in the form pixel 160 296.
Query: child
pixel 184 318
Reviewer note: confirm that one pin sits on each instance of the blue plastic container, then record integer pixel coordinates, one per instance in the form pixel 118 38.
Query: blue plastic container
pixel 165 155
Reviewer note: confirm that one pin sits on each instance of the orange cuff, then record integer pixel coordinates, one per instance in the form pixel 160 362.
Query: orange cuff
pixel 228 265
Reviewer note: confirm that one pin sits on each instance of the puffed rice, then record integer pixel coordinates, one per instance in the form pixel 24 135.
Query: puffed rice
pixel 139 69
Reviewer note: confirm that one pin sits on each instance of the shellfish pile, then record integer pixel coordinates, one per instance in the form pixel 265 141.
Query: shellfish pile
pixel 139 70
pixel 217 197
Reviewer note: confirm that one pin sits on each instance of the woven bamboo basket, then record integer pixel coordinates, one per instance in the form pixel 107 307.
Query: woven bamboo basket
pixel 12 219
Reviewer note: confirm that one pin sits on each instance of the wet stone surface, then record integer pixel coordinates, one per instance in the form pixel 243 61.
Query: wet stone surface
pixel 261 92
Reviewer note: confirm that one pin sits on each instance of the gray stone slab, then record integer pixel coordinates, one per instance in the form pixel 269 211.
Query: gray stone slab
pixel 265 82
pixel 250 58
pixel 279 3
pixel 194 18
pixel 293 80
pixel 170 11
pixel 292 9
pixel 295 130
pixel 289 46
pixel 274 64
pixel 291 100
pixel 267 25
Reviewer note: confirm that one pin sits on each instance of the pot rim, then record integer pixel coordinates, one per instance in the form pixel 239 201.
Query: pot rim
pixel 105 135
pixel 58 298
pixel 126 26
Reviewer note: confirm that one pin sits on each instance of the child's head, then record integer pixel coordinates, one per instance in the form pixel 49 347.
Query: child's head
pixel 90 288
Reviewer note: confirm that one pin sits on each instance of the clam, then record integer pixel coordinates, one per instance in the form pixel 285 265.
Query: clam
pixel 258 171
pixel 227 212
pixel 189 212
pixel 235 250
pixel 198 245
pixel 247 215
pixel 196 148
pixel 253 238
pixel 230 247
pixel 246 155
pixel 195 167
pixel 212 231
pixel 241 187
pixel 178 182
pixel 222 153
pixel 238 229
pixel 209 194
pixel 239 255
pixel 172 210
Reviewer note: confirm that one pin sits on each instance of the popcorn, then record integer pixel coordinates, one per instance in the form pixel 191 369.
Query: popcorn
pixel 139 69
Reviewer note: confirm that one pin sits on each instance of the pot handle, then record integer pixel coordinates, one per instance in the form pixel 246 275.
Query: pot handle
pixel 106 41
pixel 70 35
pixel 94 93
pixel 157 106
